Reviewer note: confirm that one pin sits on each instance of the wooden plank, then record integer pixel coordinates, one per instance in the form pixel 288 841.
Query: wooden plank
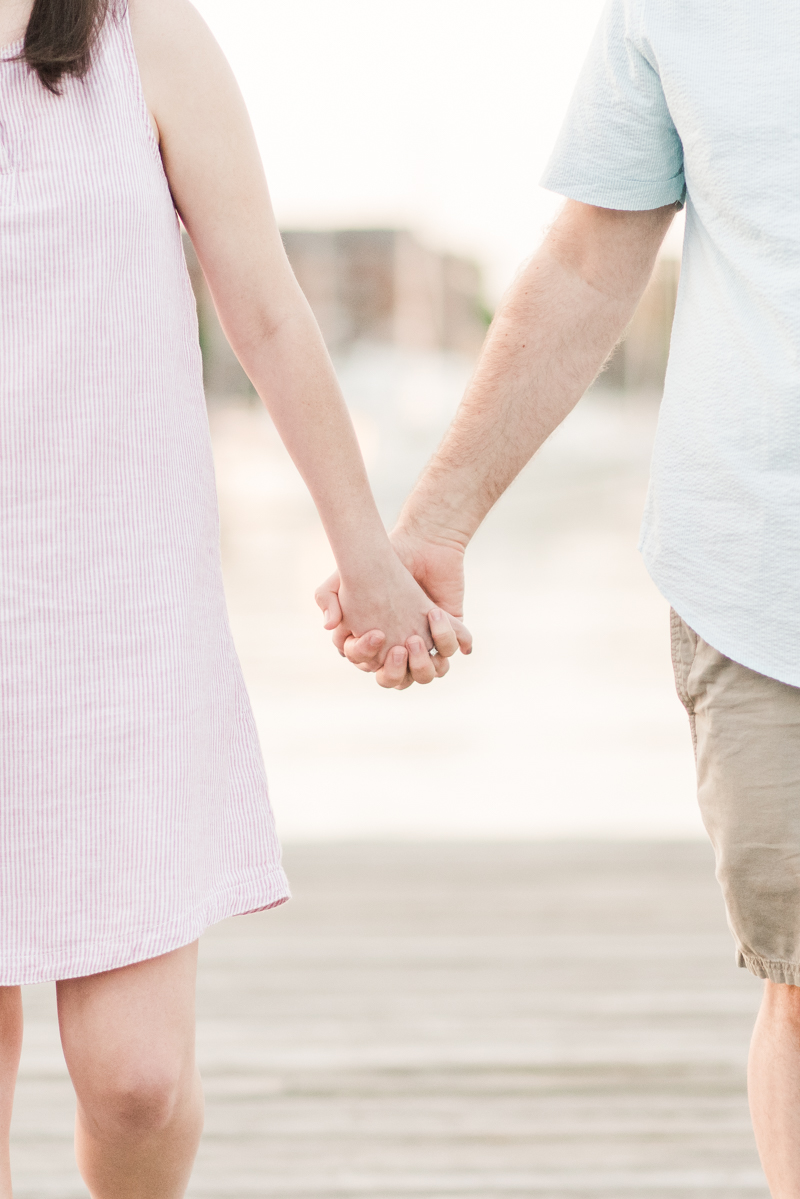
pixel 458 1020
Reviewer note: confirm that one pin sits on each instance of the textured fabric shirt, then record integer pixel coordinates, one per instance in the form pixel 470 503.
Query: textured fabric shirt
pixel 700 100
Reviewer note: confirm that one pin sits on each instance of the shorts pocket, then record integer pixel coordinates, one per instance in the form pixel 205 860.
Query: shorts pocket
pixel 684 647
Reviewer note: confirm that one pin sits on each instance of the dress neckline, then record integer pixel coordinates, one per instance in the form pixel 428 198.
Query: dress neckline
pixel 12 49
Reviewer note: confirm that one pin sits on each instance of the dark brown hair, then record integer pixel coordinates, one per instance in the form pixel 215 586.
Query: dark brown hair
pixel 60 38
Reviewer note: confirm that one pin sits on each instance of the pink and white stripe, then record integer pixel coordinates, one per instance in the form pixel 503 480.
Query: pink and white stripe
pixel 133 802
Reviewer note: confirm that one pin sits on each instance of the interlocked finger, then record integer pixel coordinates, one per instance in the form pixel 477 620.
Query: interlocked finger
pixel 394 671
pixel 365 651
pixel 420 663
pixel 340 637
pixel 440 665
pixel 443 633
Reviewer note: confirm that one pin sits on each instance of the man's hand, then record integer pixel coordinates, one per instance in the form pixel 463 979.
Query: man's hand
pixel 438 566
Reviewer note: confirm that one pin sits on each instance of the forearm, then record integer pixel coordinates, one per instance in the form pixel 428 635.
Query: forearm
pixel 292 372
pixel 555 329
pixel 217 181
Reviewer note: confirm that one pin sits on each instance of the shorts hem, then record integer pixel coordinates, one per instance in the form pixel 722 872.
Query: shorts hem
pixel 774 972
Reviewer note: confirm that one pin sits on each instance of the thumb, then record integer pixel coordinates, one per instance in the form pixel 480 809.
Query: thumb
pixel 327 597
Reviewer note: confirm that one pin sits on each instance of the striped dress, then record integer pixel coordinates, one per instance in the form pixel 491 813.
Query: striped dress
pixel 133 802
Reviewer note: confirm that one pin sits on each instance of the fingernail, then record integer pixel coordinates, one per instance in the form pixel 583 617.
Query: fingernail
pixel 417 644
pixel 397 656
pixel 375 638
pixel 436 615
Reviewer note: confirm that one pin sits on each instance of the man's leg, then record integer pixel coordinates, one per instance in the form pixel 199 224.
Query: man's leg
pixel 747 740
pixel 773 1083
pixel 10 1047
pixel 128 1038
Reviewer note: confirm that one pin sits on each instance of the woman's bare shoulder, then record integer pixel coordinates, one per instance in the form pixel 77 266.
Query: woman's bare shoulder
pixel 163 20
pixel 170 30
pixel 178 56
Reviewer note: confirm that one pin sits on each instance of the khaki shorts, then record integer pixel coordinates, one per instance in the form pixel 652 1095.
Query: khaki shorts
pixel 746 732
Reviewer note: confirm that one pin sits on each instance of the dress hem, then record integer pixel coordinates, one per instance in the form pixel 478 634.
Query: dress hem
pixel 255 895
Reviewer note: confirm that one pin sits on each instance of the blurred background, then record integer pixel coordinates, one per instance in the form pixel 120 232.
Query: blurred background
pixel 403 144
pixel 506 969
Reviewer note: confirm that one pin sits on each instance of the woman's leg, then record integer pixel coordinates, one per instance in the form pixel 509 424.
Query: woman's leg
pixel 128 1038
pixel 10 1047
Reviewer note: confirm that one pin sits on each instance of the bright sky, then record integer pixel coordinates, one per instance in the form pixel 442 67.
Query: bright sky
pixel 435 115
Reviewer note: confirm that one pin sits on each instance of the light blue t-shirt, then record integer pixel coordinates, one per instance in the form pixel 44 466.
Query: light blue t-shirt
pixel 700 100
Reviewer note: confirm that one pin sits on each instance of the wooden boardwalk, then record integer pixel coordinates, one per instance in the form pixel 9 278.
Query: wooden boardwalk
pixel 468 1021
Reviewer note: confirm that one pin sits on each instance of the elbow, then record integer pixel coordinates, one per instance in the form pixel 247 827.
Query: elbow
pixel 260 330
pixel 612 252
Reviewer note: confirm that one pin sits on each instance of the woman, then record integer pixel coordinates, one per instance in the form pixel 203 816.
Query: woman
pixel 133 806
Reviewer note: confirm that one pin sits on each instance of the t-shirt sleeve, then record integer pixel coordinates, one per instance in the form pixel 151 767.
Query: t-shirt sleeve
pixel 618 147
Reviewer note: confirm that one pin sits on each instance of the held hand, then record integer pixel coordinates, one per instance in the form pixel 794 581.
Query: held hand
pixel 387 599
pixel 402 663
pixel 409 664
pixel 438 567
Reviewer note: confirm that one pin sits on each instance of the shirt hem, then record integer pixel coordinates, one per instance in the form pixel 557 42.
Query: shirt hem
pixel 753 658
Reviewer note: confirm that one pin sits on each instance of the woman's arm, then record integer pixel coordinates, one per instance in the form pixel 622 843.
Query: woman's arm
pixel 218 185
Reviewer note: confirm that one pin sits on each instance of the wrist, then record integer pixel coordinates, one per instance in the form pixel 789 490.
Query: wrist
pixel 368 565
pixel 414 524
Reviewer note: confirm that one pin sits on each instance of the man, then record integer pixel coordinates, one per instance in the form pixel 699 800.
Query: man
pixel 698 102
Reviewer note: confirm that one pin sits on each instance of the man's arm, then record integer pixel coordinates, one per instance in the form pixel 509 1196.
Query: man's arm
pixel 556 327
pixel 554 330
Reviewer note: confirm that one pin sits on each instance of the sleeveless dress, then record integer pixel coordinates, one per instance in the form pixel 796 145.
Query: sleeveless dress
pixel 133 802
